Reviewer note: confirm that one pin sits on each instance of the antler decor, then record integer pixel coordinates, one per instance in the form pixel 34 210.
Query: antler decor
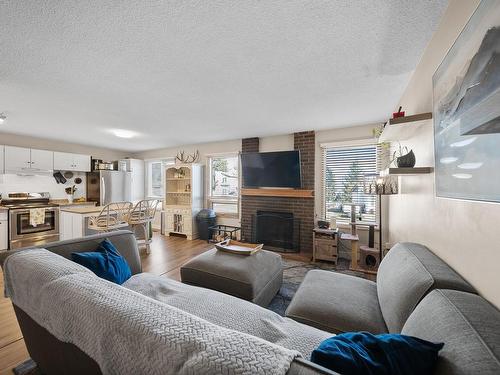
pixel 189 158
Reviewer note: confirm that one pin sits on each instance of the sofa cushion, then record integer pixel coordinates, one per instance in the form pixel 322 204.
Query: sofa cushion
pixel 408 272
pixel 256 278
pixel 468 325
pixel 105 262
pixel 337 303
pixel 229 312
pixel 388 353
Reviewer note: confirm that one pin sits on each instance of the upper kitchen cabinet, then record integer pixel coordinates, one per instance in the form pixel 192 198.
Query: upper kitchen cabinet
pixel 64 161
pixel 42 160
pixel 17 159
pixel 20 159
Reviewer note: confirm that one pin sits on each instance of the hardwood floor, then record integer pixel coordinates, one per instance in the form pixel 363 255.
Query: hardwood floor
pixel 168 254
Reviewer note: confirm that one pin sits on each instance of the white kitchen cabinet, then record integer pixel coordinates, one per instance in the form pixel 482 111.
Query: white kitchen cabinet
pixel 17 159
pixel 4 230
pixel 42 160
pixel 65 161
pixel 2 164
pixel 81 162
pixel 21 159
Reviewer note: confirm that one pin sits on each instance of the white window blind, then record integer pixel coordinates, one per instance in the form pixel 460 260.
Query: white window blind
pixel 344 169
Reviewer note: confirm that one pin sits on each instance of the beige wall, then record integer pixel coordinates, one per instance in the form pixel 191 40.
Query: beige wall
pixel 463 233
pixel 51 145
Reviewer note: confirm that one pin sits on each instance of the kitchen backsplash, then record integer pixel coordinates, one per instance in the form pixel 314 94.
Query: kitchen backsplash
pixel 35 184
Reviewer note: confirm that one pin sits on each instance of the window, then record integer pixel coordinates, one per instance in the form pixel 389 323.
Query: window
pixel 343 176
pixel 155 170
pixel 224 184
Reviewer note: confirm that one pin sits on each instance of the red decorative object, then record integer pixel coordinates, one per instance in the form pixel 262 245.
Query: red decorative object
pixel 399 113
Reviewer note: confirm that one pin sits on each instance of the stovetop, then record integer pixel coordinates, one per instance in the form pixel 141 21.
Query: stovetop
pixel 19 205
pixel 26 201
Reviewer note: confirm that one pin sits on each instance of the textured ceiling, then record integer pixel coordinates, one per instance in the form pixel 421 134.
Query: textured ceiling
pixel 180 72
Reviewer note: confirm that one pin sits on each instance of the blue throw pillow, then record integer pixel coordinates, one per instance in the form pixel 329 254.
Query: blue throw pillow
pixel 355 353
pixel 105 262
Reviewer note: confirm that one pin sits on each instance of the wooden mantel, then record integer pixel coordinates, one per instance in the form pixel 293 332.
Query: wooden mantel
pixel 290 193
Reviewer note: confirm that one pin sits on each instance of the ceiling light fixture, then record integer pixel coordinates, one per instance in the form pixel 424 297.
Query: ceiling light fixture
pixel 2 118
pixel 123 133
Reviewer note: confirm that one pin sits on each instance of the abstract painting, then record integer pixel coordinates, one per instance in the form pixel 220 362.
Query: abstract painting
pixel 466 89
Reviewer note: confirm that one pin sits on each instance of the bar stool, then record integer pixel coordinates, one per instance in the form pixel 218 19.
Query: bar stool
pixel 142 215
pixel 112 217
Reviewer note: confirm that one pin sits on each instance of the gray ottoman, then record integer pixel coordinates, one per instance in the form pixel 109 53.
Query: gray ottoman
pixel 256 278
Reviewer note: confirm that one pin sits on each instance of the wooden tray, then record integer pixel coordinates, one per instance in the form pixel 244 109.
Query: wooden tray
pixel 236 247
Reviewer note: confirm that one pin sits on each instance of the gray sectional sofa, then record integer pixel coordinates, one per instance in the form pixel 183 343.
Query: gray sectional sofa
pixel 416 294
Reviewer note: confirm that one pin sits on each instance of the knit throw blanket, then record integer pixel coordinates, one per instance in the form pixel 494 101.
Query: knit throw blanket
pixel 126 332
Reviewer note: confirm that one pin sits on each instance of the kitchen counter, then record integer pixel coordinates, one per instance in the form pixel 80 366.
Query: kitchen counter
pixel 74 221
pixel 82 210
pixel 65 203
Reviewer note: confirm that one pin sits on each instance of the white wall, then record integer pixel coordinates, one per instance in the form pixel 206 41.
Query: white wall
pixel 463 233
pixel 14 183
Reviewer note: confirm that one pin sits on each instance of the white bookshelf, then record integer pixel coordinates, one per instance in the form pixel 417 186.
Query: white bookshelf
pixel 183 199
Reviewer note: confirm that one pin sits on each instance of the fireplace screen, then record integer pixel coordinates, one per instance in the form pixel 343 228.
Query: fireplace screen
pixel 278 231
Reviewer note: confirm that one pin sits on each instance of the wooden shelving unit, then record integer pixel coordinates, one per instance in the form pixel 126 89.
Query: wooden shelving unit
pixel 406 171
pixel 290 193
pixel 183 199
pixel 401 128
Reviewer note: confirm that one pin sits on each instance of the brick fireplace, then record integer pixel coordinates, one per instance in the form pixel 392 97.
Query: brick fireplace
pixel 302 209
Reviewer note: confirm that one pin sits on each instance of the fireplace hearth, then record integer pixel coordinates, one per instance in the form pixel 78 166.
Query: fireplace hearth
pixel 278 231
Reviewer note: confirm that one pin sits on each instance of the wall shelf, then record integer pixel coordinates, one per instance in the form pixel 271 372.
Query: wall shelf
pixel 299 193
pixel 401 128
pixel 406 171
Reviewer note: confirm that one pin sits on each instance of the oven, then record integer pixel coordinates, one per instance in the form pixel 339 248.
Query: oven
pixel 23 234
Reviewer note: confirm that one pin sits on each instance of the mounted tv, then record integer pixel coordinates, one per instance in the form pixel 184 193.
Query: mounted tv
pixel 271 169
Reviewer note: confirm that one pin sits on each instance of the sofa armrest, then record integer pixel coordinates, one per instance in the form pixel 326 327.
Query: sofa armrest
pixel 301 366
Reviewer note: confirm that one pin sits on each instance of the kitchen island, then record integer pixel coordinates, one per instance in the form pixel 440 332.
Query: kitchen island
pixel 74 221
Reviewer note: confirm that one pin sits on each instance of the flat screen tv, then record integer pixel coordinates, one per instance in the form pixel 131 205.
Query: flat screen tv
pixel 271 169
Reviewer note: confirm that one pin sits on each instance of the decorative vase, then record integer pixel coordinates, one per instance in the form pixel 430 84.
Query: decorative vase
pixel 406 161
pixel 70 198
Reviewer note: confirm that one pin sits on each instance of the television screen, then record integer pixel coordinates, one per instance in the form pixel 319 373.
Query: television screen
pixel 271 169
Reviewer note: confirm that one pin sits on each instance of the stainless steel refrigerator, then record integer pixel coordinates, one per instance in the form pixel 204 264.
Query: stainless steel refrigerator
pixel 106 187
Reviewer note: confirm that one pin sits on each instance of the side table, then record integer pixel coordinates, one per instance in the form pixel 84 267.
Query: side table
pixel 325 244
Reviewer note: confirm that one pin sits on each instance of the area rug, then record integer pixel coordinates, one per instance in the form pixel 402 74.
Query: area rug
pixel 293 274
